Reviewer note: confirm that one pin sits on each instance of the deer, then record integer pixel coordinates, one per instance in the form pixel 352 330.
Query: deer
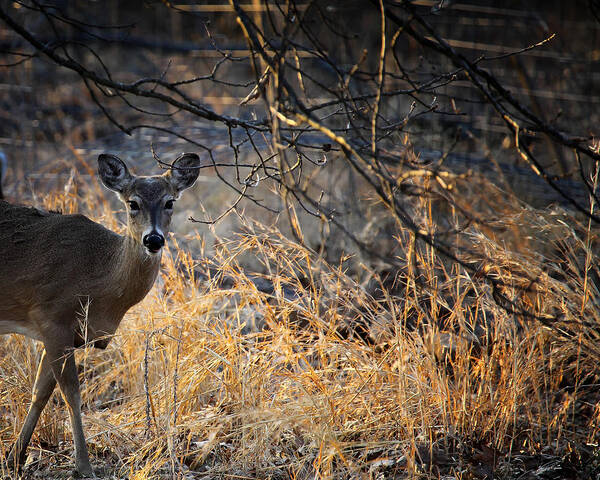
pixel 51 264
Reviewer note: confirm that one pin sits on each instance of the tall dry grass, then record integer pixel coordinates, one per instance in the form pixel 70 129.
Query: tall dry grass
pixel 203 381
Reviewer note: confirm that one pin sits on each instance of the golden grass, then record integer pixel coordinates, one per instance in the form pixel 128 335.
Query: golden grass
pixel 191 388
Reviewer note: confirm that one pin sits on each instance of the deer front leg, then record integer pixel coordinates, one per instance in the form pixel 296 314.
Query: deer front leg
pixel 42 390
pixel 65 371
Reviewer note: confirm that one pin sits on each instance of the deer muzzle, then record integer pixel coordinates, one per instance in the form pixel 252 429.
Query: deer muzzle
pixel 154 241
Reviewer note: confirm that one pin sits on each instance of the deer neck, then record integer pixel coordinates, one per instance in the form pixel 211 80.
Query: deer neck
pixel 137 269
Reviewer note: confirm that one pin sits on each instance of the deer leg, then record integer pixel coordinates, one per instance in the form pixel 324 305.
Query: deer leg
pixel 42 390
pixel 65 372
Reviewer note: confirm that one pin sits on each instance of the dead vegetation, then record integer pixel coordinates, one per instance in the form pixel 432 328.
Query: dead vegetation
pixel 325 376
pixel 369 298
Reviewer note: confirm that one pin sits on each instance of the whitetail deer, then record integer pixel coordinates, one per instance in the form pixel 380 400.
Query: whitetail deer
pixel 52 264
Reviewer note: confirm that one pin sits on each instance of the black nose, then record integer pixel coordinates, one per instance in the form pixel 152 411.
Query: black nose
pixel 154 242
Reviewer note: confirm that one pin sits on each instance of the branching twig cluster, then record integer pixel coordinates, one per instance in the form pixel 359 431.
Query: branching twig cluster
pixel 322 91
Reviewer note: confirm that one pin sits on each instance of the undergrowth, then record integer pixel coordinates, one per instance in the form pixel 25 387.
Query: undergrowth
pixel 331 374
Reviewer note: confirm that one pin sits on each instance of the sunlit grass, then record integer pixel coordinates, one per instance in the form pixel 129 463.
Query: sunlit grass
pixel 233 381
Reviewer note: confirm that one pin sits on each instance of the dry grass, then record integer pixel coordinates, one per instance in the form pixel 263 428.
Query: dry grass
pixel 209 382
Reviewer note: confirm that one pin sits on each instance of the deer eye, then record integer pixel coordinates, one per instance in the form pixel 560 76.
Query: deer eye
pixel 133 206
pixel 169 204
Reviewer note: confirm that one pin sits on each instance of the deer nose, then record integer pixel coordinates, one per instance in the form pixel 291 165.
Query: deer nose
pixel 154 241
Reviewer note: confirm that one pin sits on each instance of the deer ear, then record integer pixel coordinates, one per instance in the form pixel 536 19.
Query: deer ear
pixel 113 172
pixel 184 171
